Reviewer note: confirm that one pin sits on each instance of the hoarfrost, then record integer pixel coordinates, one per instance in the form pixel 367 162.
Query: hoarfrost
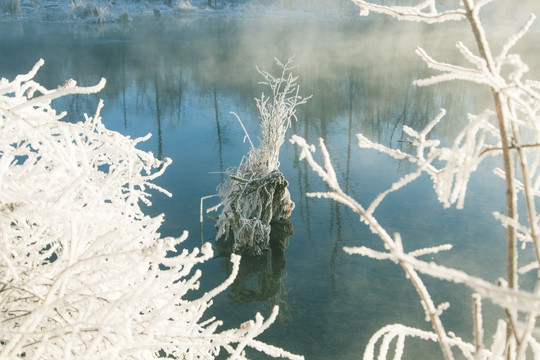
pixel 84 273
pixel 514 135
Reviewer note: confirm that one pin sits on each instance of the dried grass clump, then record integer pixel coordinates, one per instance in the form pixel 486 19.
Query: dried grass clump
pixel 255 195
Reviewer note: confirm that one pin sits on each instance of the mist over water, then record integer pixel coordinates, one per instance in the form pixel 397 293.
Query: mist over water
pixel 180 77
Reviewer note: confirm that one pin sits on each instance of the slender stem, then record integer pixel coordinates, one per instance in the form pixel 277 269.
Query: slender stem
pixel 498 98
pixel 529 327
pixel 531 214
pixel 527 186
pixel 511 198
pixel 244 128
pixel 478 325
pixel 513 147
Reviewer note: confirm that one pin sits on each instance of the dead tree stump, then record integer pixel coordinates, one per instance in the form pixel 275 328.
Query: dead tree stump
pixel 250 207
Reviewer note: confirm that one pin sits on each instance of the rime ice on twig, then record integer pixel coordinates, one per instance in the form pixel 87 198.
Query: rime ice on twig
pixel 399 331
pixel 425 11
pixel 460 161
pixel 84 273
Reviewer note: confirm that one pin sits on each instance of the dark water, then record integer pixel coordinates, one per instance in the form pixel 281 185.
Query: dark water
pixel 179 78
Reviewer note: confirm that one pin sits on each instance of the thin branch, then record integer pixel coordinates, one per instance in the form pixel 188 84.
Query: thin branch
pixel 412 13
pixel 244 128
pixel 478 324
pixel 512 147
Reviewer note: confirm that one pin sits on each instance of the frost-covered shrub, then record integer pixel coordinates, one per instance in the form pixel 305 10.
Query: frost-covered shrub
pixel 84 273
pixel 93 10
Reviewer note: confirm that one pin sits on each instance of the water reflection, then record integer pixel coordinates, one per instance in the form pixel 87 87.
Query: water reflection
pixel 260 278
pixel 158 119
pixel 219 138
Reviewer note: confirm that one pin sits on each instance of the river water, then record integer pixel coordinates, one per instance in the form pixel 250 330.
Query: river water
pixel 180 77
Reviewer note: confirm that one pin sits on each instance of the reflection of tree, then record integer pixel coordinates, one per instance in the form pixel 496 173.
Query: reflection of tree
pixel 124 86
pixel 158 119
pixel 349 130
pixel 75 106
pixel 212 63
pixel 335 218
pixel 303 180
pixel 219 137
pixel 260 277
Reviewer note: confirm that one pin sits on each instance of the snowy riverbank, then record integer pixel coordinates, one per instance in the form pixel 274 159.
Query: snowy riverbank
pixel 124 11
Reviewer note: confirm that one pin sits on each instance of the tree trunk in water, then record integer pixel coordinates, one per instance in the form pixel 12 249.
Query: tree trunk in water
pixel 251 207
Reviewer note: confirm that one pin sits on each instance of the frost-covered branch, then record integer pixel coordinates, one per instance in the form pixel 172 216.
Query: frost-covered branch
pixel 505 297
pixel 520 300
pixel 399 331
pixel 460 160
pixel 84 272
pixel 392 244
pixel 512 41
pixel 516 105
pixel 425 11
